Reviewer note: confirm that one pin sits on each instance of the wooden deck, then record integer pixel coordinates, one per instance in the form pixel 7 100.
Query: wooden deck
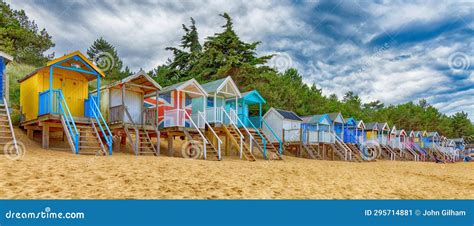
pixel 46 124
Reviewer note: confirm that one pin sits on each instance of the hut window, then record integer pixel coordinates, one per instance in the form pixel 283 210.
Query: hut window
pixel 210 102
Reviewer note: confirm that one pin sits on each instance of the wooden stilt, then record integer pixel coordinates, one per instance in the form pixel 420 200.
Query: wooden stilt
pixel 117 144
pixel 170 145
pixel 227 145
pixel 45 139
pixel 30 133
pixel 158 143
pixel 123 140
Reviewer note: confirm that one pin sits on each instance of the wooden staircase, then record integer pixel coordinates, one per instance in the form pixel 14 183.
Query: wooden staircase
pixel 7 135
pixel 412 155
pixel 90 142
pixel 389 152
pixel 356 154
pixel 234 136
pixel 211 151
pixel 312 153
pixel 439 154
pixel 341 149
pixel 401 154
pixel 269 146
pixel 140 140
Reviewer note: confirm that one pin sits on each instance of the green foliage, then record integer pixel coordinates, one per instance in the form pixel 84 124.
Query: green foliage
pixel 221 54
pixel 104 55
pixel 21 37
pixel 460 124
pixel 16 71
pixel 225 54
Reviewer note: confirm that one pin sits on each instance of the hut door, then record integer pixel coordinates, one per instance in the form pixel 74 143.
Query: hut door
pixel 134 103
pixel 72 90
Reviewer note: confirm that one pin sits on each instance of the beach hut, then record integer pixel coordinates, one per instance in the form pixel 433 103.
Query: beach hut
pixel 245 103
pixel 252 102
pixel 220 93
pixel 383 133
pixel 320 130
pixel 411 138
pixel 353 137
pixel 337 124
pixel 122 104
pixel 371 131
pixel 432 139
pixel 360 131
pixel 177 104
pixel 418 143
pixel 402 140
pixel 413 149
pixel 286 124
pixel 419 138
pixel 7 134
pixel 316 135
pixel 317 129
pixel 180 115
pixel 351 131
pixel 393 141
pixel 4 84
pixel 56 98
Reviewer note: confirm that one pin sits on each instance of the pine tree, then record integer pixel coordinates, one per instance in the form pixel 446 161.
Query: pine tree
pixel 225 54
pixel 461 124
pixel 186 56
pixel 20 37
pixel 104 55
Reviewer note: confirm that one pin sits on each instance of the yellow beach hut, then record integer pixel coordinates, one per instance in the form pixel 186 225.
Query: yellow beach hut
pixel 56 98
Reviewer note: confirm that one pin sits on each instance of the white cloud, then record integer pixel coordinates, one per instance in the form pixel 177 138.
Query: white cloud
pixel 330 46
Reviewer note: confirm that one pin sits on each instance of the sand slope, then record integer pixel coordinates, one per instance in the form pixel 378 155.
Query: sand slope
pixel 47 174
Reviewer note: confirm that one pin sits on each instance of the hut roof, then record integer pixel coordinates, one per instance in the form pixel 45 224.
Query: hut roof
pixel 217 86
pixel 141 79
pixel 371 126
pixel 288 115
pixel 253 97
pixel 75 60
pixel 6 56
pixel 196 88
pixel 317 119
pixel 336 117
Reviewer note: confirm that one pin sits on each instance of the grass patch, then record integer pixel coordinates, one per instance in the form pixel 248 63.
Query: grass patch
pixel 16 71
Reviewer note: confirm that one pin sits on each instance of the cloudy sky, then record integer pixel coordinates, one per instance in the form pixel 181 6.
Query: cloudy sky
pixel 393 51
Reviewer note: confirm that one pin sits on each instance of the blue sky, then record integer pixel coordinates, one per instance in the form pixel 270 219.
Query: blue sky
pixel 393 51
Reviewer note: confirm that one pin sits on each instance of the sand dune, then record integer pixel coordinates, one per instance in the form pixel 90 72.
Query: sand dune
pixel 47 174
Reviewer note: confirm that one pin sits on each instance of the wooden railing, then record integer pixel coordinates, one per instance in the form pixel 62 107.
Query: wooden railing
pixel 116 114
pixel 149 116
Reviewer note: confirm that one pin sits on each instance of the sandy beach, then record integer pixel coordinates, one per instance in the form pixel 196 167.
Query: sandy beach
pixel 51 174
